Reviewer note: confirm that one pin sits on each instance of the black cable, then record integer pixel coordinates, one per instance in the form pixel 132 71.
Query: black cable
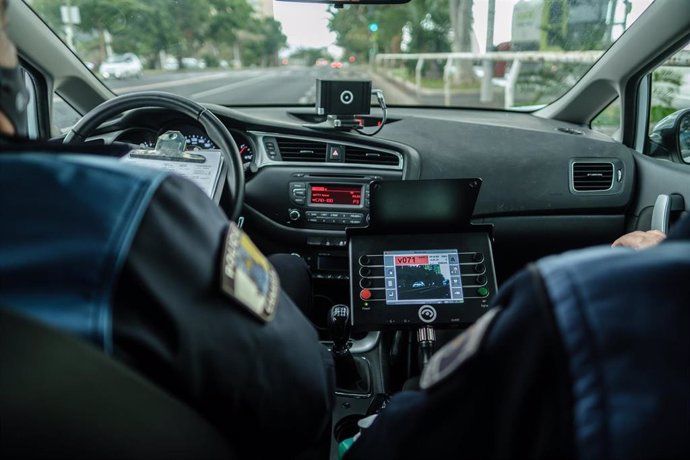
pixel 382 103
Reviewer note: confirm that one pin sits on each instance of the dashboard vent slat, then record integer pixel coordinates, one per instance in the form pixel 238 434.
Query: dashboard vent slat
pixel 370 156
pixel 592 176
pixel 301 150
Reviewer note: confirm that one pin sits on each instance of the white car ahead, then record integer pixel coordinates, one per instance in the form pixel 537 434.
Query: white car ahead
pixel 122 66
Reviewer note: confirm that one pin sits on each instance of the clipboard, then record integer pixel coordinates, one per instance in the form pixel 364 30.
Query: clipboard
pixel 204 168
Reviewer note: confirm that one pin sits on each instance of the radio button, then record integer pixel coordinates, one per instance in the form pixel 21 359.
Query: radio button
pixel 478 257
pixel 481 279
pixel 365 283
pixel 483 292
pixel 479 268
pixel 364 260
pixel 365 294
pixel 365 271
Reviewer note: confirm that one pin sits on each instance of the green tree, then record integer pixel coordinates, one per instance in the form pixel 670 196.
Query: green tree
pixel 229 23
pixel 426 22
pixel 262 47
pixel 101 16
pixel 351 26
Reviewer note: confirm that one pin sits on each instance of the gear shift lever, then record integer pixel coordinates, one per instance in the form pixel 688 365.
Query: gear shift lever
pixel 351 374
pixel 339 329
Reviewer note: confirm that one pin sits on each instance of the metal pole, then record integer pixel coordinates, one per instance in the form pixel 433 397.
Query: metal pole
pixel 509 97
pixel 447 80
pixel 418 76
pixel 69 32
pixel 487 93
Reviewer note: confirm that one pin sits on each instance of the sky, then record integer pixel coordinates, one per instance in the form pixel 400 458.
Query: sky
pixel 306 25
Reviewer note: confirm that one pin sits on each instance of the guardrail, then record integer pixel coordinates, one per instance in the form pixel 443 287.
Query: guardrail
pixel 515 58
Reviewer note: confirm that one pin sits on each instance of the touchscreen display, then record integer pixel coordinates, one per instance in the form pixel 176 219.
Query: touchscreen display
pixel 419 277
pixel 350 195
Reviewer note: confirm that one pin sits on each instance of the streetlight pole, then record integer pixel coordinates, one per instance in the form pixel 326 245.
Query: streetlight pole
pixel 67 18
pixel 487 92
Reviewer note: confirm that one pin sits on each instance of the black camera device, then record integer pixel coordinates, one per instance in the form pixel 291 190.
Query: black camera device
pixel 343 97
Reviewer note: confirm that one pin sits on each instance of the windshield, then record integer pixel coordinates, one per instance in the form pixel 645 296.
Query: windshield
pixel 460 53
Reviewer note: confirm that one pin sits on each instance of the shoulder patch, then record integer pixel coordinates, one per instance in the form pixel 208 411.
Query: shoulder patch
pixel 247 277
pixel 452 355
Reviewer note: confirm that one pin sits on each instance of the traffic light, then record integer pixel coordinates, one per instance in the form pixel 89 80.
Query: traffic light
pixel 373 27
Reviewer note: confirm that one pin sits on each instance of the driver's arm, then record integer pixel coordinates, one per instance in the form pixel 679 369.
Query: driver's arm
pixel 174 325
pixel 508 398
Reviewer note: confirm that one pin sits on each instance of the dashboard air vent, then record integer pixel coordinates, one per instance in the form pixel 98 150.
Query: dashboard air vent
pixel 301 150
pixel 370 156
pixel 592 177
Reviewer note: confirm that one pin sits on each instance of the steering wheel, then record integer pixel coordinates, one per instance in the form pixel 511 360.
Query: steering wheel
pixel 215 130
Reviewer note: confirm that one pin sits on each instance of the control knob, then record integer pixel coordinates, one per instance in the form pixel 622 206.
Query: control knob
pixel 294 214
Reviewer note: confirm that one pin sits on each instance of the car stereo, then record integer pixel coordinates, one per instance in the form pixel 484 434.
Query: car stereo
pixel 399 281
pixel 330 202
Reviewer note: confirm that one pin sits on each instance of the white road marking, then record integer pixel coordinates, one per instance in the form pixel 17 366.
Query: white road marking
pixel 224 88
pixel 165 84
pixel 308 96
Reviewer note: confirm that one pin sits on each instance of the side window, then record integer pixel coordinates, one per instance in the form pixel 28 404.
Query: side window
pixel 669 117
pixel 609 120
pixel 64 116
pixel 32 106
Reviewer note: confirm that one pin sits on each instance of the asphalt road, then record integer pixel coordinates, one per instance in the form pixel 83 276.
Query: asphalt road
pixel 281 85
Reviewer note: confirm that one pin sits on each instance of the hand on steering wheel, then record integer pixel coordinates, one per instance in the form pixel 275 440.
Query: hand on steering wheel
pixel 215 130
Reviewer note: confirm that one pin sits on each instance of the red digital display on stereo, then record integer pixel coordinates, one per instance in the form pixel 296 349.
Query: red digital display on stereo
pixel 330 194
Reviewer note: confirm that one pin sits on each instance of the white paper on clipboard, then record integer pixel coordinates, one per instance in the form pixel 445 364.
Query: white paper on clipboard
pixel 205 175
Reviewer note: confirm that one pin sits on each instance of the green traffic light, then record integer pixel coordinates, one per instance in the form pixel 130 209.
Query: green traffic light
pixel 373 27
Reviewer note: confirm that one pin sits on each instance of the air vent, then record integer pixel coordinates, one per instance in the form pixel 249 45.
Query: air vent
pixel 370 156
pixel 592 177
pixel 301 150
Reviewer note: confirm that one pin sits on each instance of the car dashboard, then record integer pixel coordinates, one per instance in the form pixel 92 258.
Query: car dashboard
pixel 548 186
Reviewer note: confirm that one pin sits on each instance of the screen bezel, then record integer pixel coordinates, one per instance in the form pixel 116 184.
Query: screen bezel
pixel 368 315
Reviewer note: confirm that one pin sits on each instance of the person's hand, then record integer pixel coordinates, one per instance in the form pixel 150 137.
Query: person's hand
pixel 640 240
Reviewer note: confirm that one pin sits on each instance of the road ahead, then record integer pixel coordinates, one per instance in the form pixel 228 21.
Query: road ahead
pixel 282 85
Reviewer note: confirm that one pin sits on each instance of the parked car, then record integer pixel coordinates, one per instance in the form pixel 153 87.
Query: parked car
pixel 170 63
pixel 122 66
pixel 193 63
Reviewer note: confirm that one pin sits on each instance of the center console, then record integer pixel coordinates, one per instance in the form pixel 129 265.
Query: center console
pixel 417 271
